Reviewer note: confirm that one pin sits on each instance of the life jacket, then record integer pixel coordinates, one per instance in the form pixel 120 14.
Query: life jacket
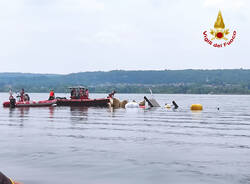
pixel 52 94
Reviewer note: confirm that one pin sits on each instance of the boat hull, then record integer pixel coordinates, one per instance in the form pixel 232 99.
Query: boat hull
pixel 45 103
pixel 101 102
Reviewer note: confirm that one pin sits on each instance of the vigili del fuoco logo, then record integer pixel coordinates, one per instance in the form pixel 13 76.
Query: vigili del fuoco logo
pixel 220 36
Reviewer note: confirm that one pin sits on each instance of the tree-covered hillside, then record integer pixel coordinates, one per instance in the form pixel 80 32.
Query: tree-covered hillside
pixel 165 81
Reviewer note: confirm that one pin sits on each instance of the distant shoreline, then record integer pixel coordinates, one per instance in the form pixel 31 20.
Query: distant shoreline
pixel 229 81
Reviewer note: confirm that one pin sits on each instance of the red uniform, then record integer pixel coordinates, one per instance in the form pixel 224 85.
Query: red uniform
pixel 87 94
pixel 51 94
pixel 22 95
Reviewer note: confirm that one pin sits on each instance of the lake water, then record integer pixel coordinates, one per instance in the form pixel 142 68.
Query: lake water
pixel 157 146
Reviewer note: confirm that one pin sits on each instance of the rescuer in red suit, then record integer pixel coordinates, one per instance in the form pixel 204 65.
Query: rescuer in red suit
pixel 51 95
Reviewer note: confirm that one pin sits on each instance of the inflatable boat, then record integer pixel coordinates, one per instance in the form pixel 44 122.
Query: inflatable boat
pixel 44 103
pixel 79 97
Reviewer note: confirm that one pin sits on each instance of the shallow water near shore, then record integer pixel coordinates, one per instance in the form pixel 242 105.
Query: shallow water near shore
pixel 97 145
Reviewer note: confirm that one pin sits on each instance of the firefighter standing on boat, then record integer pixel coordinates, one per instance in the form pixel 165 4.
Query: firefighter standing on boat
pixel 51 95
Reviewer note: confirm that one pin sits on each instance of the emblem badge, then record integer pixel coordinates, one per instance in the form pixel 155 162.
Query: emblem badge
pixel 219 33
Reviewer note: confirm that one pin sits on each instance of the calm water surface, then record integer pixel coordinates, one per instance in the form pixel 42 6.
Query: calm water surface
pixel 98 146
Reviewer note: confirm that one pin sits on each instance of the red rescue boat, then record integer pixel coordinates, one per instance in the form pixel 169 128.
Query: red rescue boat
pixel 24 101
pixel 44 103
pixel 80 97
pixel 99 102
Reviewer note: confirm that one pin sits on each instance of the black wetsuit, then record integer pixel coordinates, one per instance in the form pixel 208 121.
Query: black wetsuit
pixel 4 179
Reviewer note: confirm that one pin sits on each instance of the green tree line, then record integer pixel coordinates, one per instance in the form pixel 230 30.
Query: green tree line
pixel 165 81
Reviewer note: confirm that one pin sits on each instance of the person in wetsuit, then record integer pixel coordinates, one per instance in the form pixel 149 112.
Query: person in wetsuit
pixel 86 94
pixel 5 180
pixel 22 95
pixel 111 95
pixel 26 97
pixel 81 93
pixel 73 94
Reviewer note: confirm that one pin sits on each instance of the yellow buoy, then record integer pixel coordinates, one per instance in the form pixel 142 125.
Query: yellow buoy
pixel 167 106
pixel 196 107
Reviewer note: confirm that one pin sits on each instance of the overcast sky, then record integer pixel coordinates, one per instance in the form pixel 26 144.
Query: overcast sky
pixel 65 36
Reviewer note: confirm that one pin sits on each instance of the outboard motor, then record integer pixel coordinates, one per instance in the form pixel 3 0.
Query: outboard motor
pixel 12 103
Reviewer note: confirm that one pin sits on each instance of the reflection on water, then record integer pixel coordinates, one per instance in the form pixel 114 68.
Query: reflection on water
pixel 102 145
pixel 21 112
pixel 51 111
pixel 79 114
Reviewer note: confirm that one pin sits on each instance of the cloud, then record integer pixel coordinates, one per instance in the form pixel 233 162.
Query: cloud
pixel 121 34
pixel 9 9
pixel 85 6
pixel 225 4
pixel 130 34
